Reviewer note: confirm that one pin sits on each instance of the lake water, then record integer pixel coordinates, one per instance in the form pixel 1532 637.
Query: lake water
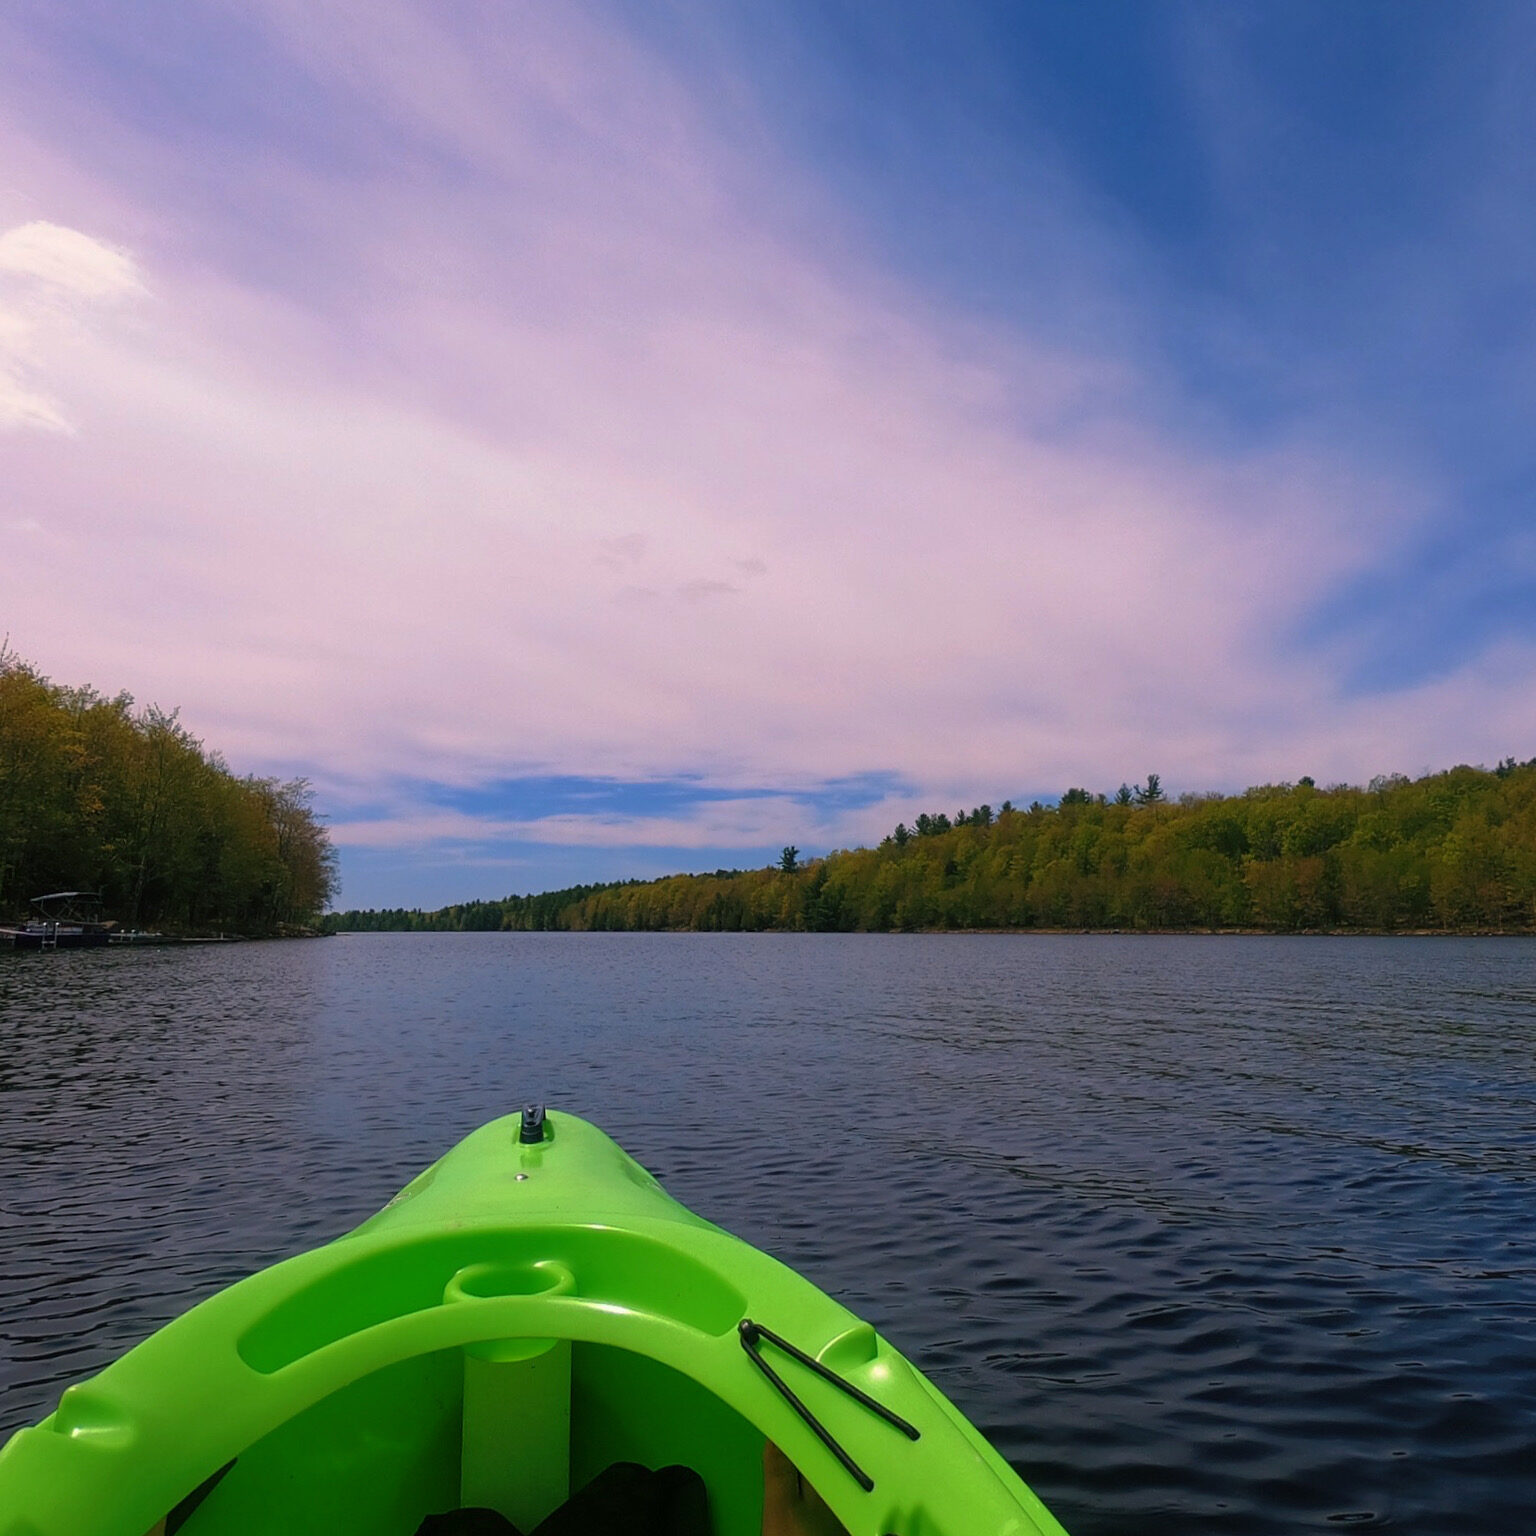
pixel 1209 1235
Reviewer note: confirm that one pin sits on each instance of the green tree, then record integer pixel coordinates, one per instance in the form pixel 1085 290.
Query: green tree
pixel 96 796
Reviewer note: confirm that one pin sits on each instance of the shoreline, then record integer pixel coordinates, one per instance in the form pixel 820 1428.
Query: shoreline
pixel 898 933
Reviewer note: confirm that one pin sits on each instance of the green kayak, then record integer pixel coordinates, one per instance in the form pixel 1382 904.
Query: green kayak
pixel 529 1311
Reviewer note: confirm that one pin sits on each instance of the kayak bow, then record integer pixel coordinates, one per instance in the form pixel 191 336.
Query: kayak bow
pixel 530 1309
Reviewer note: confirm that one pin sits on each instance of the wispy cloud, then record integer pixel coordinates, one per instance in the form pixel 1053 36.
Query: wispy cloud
pixel 65 263
pixel 724 824
pixel 50 279
pixel 683 815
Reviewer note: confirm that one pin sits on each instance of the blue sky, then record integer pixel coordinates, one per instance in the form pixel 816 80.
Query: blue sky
pixel 628 438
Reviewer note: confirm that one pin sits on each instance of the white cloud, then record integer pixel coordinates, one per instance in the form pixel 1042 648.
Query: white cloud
pixel 65 261
pixel 24 407
pixel 50 276
pixel 748 821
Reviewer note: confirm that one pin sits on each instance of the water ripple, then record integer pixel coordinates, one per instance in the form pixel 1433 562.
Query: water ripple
pixel 1210 1236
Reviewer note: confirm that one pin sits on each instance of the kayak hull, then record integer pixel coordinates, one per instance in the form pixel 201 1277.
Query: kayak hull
pixel 519 1306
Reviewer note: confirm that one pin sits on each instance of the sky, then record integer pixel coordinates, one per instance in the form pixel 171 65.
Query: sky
pixel 598 440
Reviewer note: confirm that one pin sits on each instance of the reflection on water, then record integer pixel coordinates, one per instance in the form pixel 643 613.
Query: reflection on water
pixel 1209 1235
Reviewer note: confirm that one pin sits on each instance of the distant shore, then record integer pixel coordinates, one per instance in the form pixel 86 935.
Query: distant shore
pixel 1451 853
pixel 1142 933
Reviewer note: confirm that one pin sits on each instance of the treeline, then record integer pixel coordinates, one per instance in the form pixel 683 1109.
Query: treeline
pixel 1453 851
pixel 98 796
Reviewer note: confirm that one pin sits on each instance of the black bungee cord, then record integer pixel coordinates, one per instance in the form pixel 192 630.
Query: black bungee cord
pixel 754 1335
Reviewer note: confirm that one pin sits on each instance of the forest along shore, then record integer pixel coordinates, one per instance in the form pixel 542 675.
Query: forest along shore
pixel 124 803
pixel 1452 852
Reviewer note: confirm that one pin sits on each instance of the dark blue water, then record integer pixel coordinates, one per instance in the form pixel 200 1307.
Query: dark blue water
pixel 1208 1234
